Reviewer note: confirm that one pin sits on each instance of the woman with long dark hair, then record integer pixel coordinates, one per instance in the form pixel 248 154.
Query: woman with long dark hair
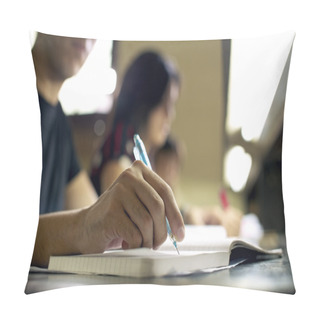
pixel 146 106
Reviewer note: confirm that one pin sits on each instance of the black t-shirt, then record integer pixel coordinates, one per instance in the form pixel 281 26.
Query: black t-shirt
pixel 59 159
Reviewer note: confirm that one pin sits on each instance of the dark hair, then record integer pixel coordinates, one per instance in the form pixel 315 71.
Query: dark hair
pixel 171 146
pixel 143 87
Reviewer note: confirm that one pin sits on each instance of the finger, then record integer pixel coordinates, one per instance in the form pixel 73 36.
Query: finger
pixel 141 217
pixel 156 212
pixel 127 231
pixel 108 225
pixel 149 212
pixel 171 209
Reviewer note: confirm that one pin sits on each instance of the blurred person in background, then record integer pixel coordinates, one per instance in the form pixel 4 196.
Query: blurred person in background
pixel 145 106
pixel 73 220
pixel 168 162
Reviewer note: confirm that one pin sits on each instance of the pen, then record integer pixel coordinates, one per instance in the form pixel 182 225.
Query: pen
pixel 224 199
pixel 140 153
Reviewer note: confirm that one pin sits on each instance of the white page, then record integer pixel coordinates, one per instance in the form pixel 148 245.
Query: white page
pixel 197 237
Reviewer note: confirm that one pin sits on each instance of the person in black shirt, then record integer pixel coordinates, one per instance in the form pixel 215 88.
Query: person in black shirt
pixel 60 163
pixel 73 219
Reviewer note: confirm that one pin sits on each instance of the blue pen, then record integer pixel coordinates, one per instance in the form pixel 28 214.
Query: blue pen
pixel 140 153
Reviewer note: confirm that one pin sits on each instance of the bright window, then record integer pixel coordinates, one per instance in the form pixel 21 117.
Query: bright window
pixel 90 90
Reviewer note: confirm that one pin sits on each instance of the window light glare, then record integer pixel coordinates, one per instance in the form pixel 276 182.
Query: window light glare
pixel 256 66
pixel 91 88
pixel 237 168
pixel 100 82
pixel 251 133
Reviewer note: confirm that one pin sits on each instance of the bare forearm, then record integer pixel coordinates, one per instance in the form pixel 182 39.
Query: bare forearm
pixel 112 170
pixel 80 192
pixel 129 214
pixel 58 234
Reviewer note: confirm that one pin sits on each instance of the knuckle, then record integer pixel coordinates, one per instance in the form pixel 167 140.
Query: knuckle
pixel 127 174
pixel 118 189
pixel 137 165
pixel 158 204
pixel 164 188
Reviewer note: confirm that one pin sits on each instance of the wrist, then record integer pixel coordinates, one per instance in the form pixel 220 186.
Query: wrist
pixel 82 233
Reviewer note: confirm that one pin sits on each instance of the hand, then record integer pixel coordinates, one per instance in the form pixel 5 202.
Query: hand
pixel 131 213
pixel 231 218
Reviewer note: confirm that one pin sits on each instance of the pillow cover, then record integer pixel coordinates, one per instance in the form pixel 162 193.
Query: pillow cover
pixel 231 98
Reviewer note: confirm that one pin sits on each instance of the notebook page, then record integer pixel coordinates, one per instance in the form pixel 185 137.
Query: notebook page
pixel 197 238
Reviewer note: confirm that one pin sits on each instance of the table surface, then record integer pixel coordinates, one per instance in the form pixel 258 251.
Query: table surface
pixel 269 275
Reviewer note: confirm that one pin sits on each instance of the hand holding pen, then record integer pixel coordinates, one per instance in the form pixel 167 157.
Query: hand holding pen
pixel 140 153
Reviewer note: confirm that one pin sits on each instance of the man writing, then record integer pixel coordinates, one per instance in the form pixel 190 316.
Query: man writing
pixel 130 214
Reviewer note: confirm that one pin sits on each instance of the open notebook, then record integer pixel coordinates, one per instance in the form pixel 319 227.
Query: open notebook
pixel 203 248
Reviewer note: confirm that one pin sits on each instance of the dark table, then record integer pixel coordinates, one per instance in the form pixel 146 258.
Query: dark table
pixel 270 275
